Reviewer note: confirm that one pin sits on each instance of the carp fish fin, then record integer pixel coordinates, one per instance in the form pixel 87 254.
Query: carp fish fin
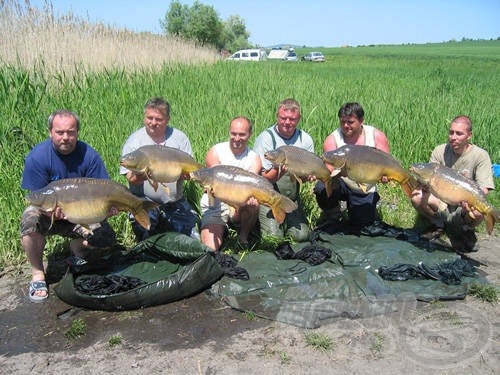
pixel 141 213
pixel 335 172
pixel 165 189
pixel 52 219
pixel 329 187
pixel 294 177
pixel 211 197
pixel 280 166
pixel 142 218
pixel 491 218
pixel 409 185
pixel 281 206
pixel 364 187
pixel 279 214
pixel 153 183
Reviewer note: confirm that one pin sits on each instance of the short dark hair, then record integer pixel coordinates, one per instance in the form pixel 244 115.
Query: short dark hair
pixel 289 104
pixel 63 113
pixel 464 119
pixel 158 103
pixel 352 108
pixel 250 128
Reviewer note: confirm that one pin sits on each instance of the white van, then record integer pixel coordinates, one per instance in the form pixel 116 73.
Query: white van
pixel 249 55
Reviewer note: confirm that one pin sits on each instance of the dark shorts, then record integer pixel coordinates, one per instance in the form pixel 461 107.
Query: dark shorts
pixel 175 216
pixel 361 207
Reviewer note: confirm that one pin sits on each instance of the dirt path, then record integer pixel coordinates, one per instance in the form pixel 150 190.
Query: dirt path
pixel 200 335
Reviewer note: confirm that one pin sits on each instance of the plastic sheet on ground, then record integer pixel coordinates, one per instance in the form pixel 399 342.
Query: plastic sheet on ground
pixel 294 292
pixel 169 266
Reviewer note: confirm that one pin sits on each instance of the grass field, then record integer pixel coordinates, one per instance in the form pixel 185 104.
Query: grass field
pixel 410 92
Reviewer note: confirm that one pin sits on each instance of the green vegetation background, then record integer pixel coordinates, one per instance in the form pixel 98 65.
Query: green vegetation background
pixel 410 92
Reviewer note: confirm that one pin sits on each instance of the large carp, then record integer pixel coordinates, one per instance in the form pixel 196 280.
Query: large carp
pixel 86 200
pixel 367 165
pixel 161 164
pixel 301 163
pixel 234 186
pixel 453 188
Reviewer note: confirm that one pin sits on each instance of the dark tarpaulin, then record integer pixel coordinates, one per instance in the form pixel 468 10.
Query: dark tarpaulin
pixel 166 267
pixel 294 292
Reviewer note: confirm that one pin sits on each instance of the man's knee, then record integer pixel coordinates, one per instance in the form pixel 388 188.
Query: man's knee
pixel 269 226
pixel 102 236
pixel 299 233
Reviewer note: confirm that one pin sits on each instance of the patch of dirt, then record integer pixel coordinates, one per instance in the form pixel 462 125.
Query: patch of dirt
pixel 200 335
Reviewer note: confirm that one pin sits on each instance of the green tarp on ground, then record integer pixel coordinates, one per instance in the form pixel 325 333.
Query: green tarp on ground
pixel 294 292
pixel 173 266
pixel 170 266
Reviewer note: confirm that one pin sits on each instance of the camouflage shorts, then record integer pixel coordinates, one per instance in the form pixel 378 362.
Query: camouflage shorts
pixel 219 213
pixel 33 220
pixel 98 235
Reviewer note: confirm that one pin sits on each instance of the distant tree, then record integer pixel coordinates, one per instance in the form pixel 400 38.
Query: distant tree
pixel 176 19
pixel 202 24
pixel 235 35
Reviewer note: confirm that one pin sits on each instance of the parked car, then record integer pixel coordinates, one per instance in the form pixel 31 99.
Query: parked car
pixel 249 55
pixel 313 56
pixel 291 56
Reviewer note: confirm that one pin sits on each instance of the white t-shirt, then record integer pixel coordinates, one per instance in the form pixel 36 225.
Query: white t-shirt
pixel 173 138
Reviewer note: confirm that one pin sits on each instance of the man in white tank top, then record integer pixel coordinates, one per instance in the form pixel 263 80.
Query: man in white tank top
pixel 360 206
pixel 235 152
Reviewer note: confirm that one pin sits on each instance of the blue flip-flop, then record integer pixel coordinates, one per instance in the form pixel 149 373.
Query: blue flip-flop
pixel 36 286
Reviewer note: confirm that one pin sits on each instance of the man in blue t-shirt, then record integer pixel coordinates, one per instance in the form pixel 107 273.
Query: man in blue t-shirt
pixel 61 156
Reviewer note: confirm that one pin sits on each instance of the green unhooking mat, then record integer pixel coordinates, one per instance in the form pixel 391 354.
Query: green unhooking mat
pixel 164 268
pixel 348 285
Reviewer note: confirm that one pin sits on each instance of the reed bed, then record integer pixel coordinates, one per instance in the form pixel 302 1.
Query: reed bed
pixel 36 38
pixel 410 96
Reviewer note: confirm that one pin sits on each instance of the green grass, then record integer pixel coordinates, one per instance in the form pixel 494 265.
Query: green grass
pixel 77 329
pixel 486 293
pixel 115 340
pixel 377 343
pixel 409 92
pixel 319 341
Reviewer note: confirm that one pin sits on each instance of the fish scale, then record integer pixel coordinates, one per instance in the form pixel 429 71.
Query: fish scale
pixel 453 188
pixel 234 186
pixel 87 200
pixel 301 163
pixel 161 164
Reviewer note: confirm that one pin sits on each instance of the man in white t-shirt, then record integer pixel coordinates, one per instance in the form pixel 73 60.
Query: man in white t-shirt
pixel 174 213
pixel 216 217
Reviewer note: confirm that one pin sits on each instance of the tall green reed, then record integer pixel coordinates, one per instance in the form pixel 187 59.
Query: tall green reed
pixel 411 98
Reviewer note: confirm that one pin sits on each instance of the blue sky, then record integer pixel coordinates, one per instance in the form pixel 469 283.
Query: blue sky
pixel 326 23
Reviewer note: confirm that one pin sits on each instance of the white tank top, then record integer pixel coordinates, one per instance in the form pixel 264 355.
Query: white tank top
pixel 369 136
pixel 369 141
pixel 226 156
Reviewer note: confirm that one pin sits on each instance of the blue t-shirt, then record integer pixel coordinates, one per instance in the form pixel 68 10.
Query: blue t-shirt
pixel 44 165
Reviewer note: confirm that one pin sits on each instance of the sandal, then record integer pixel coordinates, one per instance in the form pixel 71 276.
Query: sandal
pixel 36 286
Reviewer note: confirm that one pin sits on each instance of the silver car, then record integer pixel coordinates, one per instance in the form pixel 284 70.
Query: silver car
pixel 291 56
pixel 314 56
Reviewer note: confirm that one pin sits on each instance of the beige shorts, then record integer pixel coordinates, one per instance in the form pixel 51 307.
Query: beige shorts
pixel 220 213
